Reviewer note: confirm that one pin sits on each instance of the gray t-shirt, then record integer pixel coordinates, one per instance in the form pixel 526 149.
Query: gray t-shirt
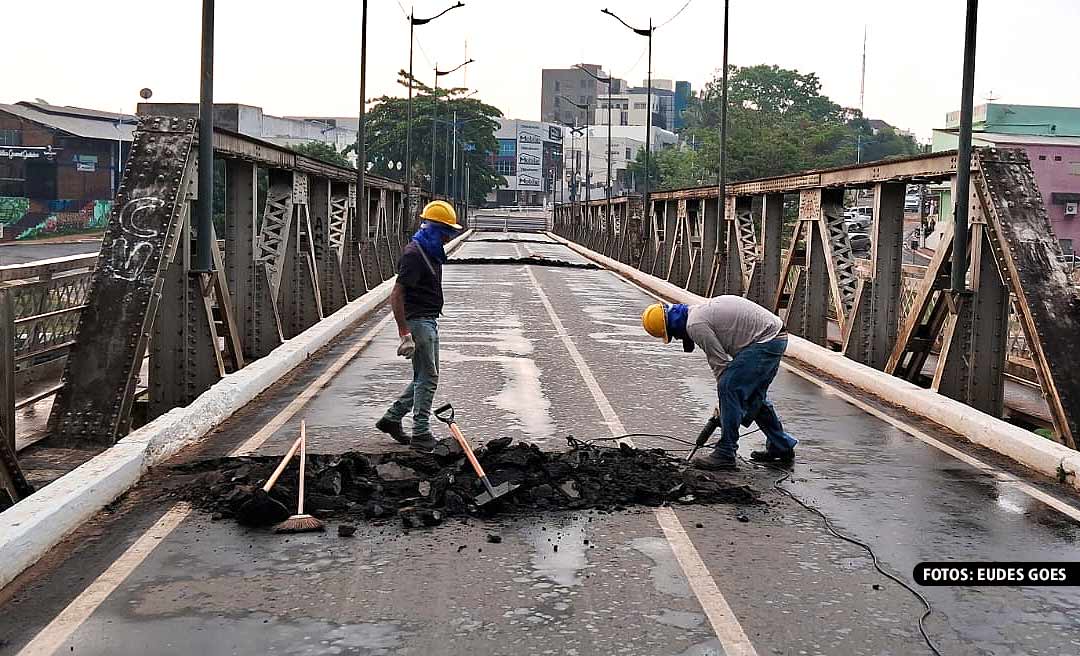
pixel 725 325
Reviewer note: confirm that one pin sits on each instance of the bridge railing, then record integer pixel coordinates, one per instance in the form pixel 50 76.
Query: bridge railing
pixel 40 304
pixel 783 242
pixel 294 242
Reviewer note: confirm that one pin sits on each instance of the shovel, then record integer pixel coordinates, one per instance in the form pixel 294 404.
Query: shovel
pixel 446 414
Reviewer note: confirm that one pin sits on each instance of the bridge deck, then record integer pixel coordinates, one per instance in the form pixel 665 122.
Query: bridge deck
pixel 211 587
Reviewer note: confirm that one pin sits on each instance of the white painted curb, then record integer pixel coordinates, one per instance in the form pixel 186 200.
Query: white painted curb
pixel 36 524
pixel 1028 449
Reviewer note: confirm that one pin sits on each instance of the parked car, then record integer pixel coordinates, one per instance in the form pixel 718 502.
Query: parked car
pixel 858 224
pixel 860 242
pixel 1070 260
pixel 864 212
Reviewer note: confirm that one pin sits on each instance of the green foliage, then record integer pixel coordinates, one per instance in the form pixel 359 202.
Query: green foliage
pixel 779 122
pixel 322 151
pixel 387 123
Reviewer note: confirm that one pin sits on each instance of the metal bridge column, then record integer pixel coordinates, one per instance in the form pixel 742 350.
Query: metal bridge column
pixel 240 236
pixel 875 314
pixel 767 270
pixel 677 228
pixel 330 222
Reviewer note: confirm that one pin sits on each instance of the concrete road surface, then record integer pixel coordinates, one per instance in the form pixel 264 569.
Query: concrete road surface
pixel 23 252
pixel 538 353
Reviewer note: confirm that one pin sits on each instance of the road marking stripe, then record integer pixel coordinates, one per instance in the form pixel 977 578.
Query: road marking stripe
pixel 726 626
pixel 999 475
pixel 264 433
pixel 610 418
pixel 720 615
pixel 52 638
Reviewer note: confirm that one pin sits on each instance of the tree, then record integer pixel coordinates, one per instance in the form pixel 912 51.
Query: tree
pixel 323 151
pixel 779 122
pixel 387 123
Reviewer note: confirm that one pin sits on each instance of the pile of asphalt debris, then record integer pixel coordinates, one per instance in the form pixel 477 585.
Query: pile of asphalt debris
pixel 536 260
pixel 424 489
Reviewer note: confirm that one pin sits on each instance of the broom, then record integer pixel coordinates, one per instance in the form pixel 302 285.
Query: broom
pixel 261 508
pixel 300 522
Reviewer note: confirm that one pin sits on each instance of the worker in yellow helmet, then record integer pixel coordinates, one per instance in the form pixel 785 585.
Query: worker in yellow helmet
pixel 743 343
pixel 417 302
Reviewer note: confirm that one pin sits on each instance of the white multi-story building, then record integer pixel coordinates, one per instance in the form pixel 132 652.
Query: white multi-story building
pixel 626 142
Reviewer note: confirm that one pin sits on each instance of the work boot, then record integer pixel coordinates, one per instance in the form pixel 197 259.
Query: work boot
pixel 768 455
pixel 393 429
pixel 714 462
pixel 423 442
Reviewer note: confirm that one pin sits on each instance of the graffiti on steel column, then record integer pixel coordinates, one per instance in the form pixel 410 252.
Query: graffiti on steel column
pixel 134 247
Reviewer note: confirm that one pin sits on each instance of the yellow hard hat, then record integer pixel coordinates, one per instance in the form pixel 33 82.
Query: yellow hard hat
pixel 654 321
pixel 442 212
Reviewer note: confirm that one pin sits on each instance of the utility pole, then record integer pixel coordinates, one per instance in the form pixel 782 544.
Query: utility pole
pixel 361 146
pixel 721 174
pixel 963 160
pixel 204 259
pixel 862 83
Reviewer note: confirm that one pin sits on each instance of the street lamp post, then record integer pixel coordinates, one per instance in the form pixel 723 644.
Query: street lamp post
pixel 584 107
pixel 607 80
pixel 648 99
pixel 435 117
pixel 413 22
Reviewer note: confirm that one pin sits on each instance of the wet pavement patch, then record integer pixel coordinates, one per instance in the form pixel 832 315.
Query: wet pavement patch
pixel 421 490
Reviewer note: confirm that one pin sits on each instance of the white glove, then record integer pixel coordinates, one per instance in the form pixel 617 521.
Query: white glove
pixel 407 347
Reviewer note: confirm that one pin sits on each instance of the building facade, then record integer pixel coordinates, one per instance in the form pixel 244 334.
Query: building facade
pixel 59 168
pixel 572 83
pixel 630 106
pixel 1051 138
pixel 253 122
pixel 529 158
pixel 626 143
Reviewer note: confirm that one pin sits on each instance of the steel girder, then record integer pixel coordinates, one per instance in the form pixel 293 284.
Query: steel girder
pixel 143 234
pixel 1012 251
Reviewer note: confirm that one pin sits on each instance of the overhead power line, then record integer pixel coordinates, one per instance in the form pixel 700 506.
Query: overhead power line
pixel 685 5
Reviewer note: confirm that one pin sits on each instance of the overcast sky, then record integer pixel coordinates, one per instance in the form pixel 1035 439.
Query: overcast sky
pixel 302 58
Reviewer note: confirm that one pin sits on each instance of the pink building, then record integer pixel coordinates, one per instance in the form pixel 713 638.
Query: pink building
pixel 1051 137
pixel 1056 162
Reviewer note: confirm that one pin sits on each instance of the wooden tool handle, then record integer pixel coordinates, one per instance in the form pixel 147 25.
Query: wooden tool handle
pixel 303 465
pixel 282 465
pixel 456 432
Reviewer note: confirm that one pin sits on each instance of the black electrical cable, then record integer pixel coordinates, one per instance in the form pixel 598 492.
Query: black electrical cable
pixel 778 485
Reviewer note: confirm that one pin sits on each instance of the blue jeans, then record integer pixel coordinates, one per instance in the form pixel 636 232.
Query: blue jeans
pixel 742 390
pixel 425 366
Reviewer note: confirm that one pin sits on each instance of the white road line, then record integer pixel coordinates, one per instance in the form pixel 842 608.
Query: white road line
pixel 257 440
pixel 1001 476
pixel 610 418
pixel 52 638
pixel 728 630
pixel 726 626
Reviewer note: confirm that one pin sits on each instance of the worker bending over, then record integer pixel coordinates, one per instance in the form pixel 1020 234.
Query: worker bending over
pixel 417 302
pixel 743 343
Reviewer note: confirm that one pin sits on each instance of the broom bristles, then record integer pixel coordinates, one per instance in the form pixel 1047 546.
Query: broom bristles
pixel 300 524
